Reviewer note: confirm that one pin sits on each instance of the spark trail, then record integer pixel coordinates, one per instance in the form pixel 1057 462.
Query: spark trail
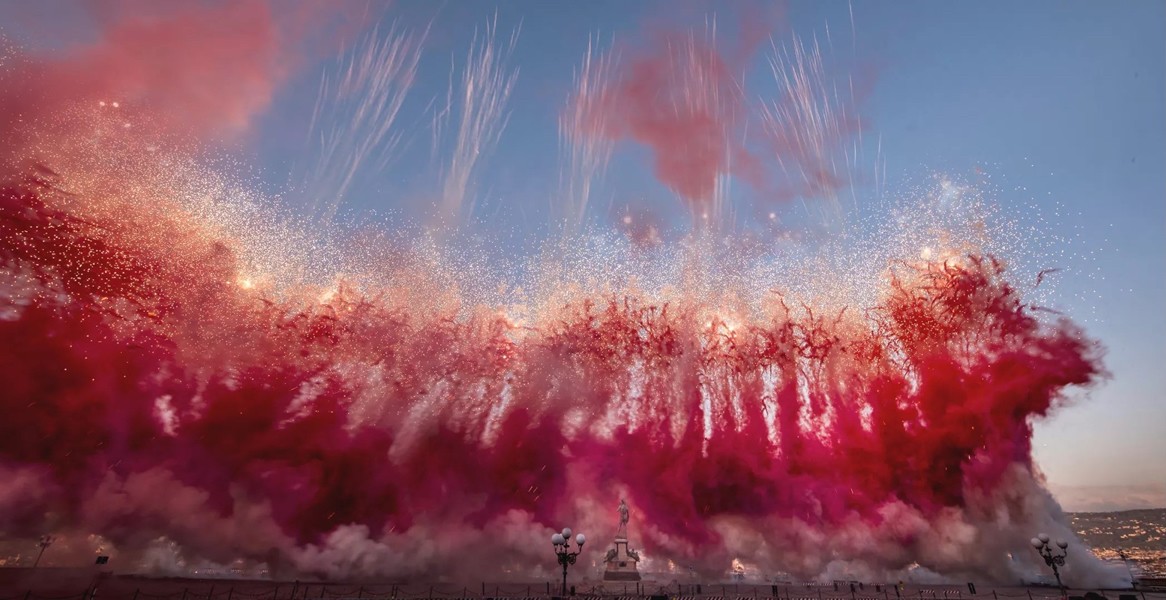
pixel 352 131
pixel 182 367
pixel 479 110
pixel 586 150
pixel 807 125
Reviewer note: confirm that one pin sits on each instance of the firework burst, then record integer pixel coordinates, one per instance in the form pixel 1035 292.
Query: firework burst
pixel 239 384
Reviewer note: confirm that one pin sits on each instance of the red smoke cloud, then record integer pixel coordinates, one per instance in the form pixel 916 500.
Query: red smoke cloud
pixel 683 98
pixel 191 68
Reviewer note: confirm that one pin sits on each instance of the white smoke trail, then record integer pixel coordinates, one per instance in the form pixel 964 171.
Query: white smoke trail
pixel 806 124
pixel 585 148
pixel 705 83
pixel 352 132
pixel 480 109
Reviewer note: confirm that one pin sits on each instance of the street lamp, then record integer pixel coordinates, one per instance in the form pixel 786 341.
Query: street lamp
pixel 1125 558
pixel 44 543
pixel 1041 544
pixel 562 543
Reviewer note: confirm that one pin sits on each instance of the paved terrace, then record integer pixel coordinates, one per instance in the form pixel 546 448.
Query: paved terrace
pixel 79 584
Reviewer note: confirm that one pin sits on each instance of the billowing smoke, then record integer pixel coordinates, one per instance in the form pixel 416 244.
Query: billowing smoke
pixel 178 380
pixel 683 98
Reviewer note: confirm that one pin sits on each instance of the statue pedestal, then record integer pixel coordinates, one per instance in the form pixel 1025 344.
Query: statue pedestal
pixel 621 562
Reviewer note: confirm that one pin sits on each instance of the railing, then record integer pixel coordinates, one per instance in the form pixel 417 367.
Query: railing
pixel 114 589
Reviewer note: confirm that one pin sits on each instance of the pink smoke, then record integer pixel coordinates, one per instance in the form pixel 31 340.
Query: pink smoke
pixel 684 99
pixel 243 400
pixel 195 69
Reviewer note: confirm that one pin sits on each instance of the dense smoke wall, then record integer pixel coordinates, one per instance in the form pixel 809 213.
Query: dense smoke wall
pixel 150 393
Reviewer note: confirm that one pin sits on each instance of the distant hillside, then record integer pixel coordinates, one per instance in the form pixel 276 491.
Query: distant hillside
pixel 1141 533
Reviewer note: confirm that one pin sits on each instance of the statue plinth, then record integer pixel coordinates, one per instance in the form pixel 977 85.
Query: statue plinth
pixel 621 562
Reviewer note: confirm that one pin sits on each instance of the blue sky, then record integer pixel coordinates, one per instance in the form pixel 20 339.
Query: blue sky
pixel 1063 102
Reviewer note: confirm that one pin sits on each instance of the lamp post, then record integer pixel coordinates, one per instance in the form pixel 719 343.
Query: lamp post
pixel 1125 558
pixel 562 544
pixel 44 543
pixel 1041 544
